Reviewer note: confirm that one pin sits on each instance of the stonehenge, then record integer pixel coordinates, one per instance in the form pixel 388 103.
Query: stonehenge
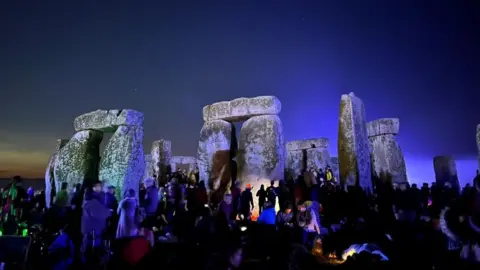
pixel 353 144
pixel 50 172
pixel 305 154
pixel 388 162
pixel 121 164
pixel 445 171
pixel 161 155
pixel 260 152
pixel 183 160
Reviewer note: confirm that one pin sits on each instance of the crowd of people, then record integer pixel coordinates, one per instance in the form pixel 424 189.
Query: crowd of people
pixel 302 223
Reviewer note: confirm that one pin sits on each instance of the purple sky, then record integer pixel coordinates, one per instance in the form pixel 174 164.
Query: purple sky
pixel 416 60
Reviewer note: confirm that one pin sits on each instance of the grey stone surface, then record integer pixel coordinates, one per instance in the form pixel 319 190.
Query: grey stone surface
pixel 123 163
pixel 148 168
pixel 108 120
pixel 478 144
pixel 49 173
pixel 307 144
pixel 353 143
pixel 161 155
pixel 261 149
pixel 241 109
pixel 77 161
pixel 295 163
pixel 383 126
pixel 186 160
pixel 388 159
pixel 318 158
pixel 215 136
pixel 335 167
pixel 445 169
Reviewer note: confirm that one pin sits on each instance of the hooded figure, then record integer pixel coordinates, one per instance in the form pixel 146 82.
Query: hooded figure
pixel 127 225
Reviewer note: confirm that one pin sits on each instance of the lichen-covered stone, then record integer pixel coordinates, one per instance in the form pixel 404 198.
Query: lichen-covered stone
pixel 478 144
pixel 335 167
pixel 161 154
pixel 123 163
pixel 148 168
pixel 295 163
pixel 49 173
pixel 318 158
pixel 241 109
pixel 445 171
pixel 307 144
pixel 353 144
pixel 215 136
pixel 387 159
pixel 108 120
pixel 261 149
pixel 383 126
pixel 77 161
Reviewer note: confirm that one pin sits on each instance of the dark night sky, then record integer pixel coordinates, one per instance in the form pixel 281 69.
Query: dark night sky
pixel 416 60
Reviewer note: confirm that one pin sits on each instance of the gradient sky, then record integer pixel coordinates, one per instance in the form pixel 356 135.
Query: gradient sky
pixel 416 60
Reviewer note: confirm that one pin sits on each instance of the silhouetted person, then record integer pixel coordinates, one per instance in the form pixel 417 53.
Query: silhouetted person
pixel 262 196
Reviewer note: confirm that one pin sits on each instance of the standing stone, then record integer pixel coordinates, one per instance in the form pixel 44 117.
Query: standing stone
pixel 148 168
pixel 161 158
pixel 318 158
pixel 388 161
pixel 123 164
pixel 295 163
pixel 77 161
pixel 215 136
pixel 353 144
pixel 242 108
pixel 49 173
pixel 335 167
pixel 445 171
pixel 478 144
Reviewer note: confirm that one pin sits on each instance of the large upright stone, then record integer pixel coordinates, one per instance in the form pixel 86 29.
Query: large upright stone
pixel 49 173
pixel 161 157
pixel 445 171
pixel 148 172
pixel 335 167
pixel 241 109
pixel 388 161
pixel 77 161
pixel 294 163
pixel 123 164
pixel 353 143
pixel 478 144
pixel 215 137
pixel 108 120
pixel 318 158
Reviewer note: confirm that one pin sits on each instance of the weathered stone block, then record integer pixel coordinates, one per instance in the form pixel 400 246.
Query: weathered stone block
pixel 49 173
pixel 261 149
pixel 445 171
pixel 77 161
pixel 318 158
pixel 388 160
pixel 123 163
pixel 353 143
pixel 161 154
pixel 185 160
pixel 215 136
pixel 295 163
pixel 148 168
pixel 335 167
pixel 307 144
pixel 241 109
pixel 383 126
pixel 108 120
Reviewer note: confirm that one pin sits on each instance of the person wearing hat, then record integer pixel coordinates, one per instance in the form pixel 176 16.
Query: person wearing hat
pixel 150 201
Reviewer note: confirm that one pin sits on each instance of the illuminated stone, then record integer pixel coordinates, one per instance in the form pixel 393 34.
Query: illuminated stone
pixel 295 163
pixel 241 109
pixel 148 173
pixel 214 149
pixel 108 120
pixel 387 157
pixel 334 167
pixel 49 173
pixel 318 158
pixel 445 171
pixel 261 149
pixel 161 154
pixel 307 144
pixel 353 144
pixel 123 164
pixel 383 126
pixel 77 161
